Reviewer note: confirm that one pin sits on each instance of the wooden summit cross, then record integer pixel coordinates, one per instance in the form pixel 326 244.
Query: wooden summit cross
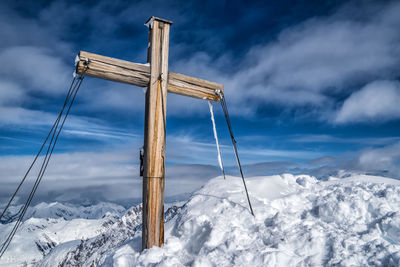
pixel 158 81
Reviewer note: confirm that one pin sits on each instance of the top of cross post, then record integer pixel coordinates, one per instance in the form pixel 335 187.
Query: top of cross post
pixel 149 22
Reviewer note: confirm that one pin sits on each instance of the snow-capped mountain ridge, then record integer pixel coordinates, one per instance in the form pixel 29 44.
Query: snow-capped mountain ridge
pixel 47 225
pixel 66 211
pixel 93 251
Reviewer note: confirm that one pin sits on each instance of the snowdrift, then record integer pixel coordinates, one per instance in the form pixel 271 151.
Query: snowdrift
pixel 300 221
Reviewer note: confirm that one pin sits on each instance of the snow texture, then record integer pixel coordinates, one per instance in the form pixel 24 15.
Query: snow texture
pixel 300 221
pixel 48 225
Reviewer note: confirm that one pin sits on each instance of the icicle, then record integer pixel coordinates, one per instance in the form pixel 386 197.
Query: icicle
pixel 216 138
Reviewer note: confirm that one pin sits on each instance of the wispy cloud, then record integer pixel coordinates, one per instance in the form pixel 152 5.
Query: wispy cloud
pixel 102 134
pixel 381 160
pixel 98 176
pixel 325 138
pixel 255 153
pixel 315 64
pixel 36 68
pixel 377 102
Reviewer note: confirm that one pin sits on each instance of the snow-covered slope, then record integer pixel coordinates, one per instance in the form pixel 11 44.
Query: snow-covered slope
pixel 48 225
pixel 300 221
pixel 93 251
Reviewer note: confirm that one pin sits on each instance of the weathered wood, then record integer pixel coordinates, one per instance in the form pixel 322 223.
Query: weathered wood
pixel 154 145
pixel 189 86
pixel 112 69
pixel 139 74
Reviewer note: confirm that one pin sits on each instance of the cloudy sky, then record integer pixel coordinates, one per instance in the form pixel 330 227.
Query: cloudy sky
pixel 312 87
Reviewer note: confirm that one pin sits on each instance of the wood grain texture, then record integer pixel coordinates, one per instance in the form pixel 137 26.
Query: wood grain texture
pixel 154 145
pixel 138 74
pixel 113 69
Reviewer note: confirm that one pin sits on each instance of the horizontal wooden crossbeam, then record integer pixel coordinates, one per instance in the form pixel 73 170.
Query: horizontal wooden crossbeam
pixel 139 74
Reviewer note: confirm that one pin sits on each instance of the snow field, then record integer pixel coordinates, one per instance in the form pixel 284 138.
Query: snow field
pixel 299 221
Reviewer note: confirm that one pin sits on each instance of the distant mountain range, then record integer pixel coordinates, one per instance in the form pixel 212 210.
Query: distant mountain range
pixel 299 220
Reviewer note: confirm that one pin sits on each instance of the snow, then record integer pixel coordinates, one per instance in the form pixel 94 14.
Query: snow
pixel 48 225
pixel 149 24
pixel 64 210
pixel 299 221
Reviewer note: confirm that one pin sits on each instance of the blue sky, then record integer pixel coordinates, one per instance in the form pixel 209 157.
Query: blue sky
pixel 312 87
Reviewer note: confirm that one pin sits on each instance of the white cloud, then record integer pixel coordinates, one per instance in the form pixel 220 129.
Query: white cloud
pixel 382 160
pixel 100 95
pixel 113 175
pixel 323 138
pixel 377 101
pixel 315 63
pixel 104 175
pixel 254 154
pixel 10 93
pixel 36 68
pixel 28 118
pixel 22 116
pixel 101 134
pixel 328 53
pixel 311 62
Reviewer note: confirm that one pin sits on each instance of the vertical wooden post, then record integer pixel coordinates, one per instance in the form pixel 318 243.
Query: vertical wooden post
pixel 154 134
